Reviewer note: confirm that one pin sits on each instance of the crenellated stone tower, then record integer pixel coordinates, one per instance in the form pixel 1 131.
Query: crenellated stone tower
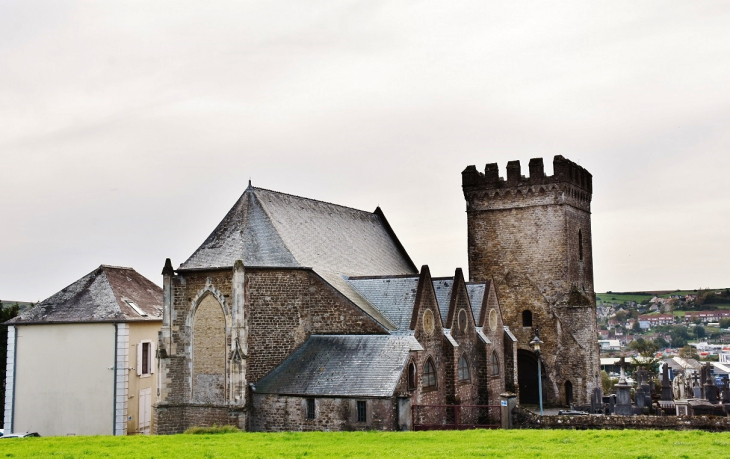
pixel 532 235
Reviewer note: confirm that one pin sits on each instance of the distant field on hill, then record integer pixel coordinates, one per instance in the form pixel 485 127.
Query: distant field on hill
pixel 463 444
pixel 23 305
pixel 621 297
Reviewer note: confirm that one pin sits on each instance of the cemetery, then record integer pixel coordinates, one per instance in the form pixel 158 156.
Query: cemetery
pixel 685 402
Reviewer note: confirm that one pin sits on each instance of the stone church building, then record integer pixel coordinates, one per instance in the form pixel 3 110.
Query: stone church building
pixel 297 314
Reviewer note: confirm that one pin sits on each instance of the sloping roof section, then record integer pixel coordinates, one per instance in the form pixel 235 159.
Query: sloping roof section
pixel 342 366
pixel 476 297
pixel 109 293
pixel 272 229
pixel 393 296
pixel 442 287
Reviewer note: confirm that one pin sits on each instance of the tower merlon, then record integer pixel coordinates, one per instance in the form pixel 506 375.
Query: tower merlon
pixel 564 171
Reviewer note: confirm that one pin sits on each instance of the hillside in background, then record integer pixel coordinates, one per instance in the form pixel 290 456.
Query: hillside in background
pixel 22 305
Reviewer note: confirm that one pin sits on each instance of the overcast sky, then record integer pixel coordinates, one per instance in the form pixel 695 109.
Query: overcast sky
pixel 128 129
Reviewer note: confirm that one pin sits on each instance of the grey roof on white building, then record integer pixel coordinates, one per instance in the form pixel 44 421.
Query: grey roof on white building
pixel 103 295
pixel 394 297
pixel 268 228
pixel 342 366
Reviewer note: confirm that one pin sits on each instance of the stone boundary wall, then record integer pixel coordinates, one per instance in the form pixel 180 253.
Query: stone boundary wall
pixel 524 419
pixel 174 419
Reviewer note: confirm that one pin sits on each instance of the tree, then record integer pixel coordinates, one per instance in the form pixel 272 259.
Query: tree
pixel 688 352
pixel 606 382
pixel 661 342
pixel 725 323
pixel 7 312
pixel 700 332
pixel 647 350
pixel 636 327
pixel 621 316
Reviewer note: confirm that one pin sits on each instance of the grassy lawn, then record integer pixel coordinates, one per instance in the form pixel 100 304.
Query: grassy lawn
pixel 469 444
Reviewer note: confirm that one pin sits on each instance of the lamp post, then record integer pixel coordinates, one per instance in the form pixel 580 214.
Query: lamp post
pixel 535 343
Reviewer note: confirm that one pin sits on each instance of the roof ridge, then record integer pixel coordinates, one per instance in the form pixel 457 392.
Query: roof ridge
pixel 255 188
pixel 387 276
pixel 116 267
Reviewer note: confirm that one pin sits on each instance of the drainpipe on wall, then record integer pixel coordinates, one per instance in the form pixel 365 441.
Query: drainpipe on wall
pixel 114 400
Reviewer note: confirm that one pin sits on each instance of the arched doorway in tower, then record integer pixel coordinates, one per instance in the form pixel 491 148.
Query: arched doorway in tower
pixel 527 378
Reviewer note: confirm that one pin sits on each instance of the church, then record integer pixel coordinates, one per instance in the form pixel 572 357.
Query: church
pixel 297 314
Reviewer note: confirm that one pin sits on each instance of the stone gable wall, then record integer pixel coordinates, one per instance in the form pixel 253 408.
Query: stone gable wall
pixel 285 307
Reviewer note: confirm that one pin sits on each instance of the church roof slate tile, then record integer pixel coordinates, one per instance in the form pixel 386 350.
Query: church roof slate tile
pixel 100 297
pixel 270 229
pixel 392 296
pixel 342 366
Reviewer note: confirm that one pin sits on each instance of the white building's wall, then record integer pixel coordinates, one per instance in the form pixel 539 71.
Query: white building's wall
pixel 64 384
pixel 10 381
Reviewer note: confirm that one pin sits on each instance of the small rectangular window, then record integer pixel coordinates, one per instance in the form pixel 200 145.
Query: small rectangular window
pixel 310 408
pixel 362 415
pixel 145 358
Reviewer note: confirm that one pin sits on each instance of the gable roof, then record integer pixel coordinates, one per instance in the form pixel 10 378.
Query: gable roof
pixel 442 287
pixel 272 229
pixel 393 296
pixel 342 365
pixel 100 296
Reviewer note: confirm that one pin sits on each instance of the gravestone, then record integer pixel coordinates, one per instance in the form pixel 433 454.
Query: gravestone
pixel 597 401
pixel 623 393
pixel 725 393
pixel 640 398
pixel 666 384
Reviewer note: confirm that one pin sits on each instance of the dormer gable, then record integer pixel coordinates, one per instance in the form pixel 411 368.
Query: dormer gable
pixel 460 318
pixel 426 318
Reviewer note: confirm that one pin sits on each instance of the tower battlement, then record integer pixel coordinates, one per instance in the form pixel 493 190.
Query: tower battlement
pixel 564 171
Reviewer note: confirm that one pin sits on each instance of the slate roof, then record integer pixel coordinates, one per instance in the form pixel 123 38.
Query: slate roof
pixel 442 288
pixel 342 366
pixel 392 296
pixel 272 229
pixel 476 294
pixel 100 297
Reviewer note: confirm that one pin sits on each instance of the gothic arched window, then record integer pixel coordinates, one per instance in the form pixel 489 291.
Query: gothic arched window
pixel 464 369
pixel 494 364
pixel 411 375
pixel 429 374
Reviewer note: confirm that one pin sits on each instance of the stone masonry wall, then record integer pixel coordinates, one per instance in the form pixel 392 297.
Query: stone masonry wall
pixel 286 307
pixel 523 419
pixel 523 233
pixel 275 413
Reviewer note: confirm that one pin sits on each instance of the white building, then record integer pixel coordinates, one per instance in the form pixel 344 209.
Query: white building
pixel 82 362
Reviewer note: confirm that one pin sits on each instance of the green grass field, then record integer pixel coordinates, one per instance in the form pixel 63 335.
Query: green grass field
pixel 464 444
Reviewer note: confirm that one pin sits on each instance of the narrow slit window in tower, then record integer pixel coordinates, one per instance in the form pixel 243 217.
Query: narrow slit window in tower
pixel 527 318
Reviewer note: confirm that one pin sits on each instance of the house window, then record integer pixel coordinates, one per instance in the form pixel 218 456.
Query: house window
pixel 494 363
pixel 362 414
pixel 464 369
pixel 580 245
pixel 145 358
pixel 411 375
pixel 527 318
pixel 310 408
pixel 429 375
